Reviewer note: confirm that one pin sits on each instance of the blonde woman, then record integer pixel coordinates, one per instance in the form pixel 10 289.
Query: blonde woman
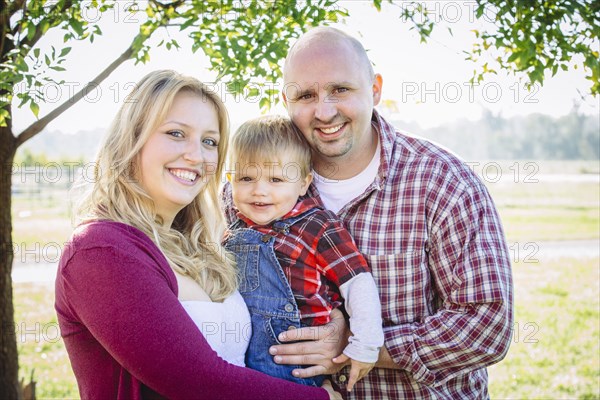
pixel 146 298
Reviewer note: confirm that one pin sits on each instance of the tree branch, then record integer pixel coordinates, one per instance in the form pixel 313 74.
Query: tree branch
pixel 4 26
pixel 40 124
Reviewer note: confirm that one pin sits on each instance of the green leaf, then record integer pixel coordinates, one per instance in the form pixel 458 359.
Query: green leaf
pixel 35 108
pixel 30 32
pixel 186 24
pixel 264 103
pixel 77 26
pixel 65 51
pixel 44 25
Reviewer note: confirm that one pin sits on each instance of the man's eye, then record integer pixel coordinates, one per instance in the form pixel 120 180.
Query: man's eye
pixel 211 142
pixel 305 96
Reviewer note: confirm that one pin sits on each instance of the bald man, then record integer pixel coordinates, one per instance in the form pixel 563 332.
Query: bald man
pixel 423 220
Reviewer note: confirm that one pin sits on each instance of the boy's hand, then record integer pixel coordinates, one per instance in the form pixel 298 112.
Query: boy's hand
pixel 358 369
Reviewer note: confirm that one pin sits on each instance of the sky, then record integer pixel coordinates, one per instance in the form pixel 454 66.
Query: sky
pixel 425 83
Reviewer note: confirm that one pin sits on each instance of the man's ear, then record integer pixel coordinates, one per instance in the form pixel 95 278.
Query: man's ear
pixel 307 181
pixel 377 86
pixel 284 98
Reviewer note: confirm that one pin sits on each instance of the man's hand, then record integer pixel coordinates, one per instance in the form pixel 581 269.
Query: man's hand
pixel 317 347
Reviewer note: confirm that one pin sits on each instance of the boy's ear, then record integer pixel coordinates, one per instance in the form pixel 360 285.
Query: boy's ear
pixel 307 181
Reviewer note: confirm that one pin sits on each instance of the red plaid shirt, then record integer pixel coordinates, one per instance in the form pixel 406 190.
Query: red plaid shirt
pixel 316 253
pixel 432 237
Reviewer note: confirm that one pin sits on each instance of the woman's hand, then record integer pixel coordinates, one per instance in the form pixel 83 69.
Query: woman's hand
pixel 333 395
pixel 317 347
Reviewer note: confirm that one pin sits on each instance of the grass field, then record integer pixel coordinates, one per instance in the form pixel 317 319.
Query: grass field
pixel 555 352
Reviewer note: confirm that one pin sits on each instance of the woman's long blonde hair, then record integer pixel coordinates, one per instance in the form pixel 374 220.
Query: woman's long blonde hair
pixel 192 245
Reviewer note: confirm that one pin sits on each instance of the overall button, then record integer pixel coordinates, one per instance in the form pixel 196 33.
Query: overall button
pixel 266 238
pixel 342 378
pixel 289 307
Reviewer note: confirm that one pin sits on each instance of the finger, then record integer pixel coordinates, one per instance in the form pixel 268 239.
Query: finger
pixel 309 372
pixel 301 348
pixel 342 358
pixel 306 333
pixel 354 376
pixel 295 359
pixel 350 386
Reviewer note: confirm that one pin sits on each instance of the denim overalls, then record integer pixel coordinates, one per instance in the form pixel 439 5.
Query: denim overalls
pixel 268 296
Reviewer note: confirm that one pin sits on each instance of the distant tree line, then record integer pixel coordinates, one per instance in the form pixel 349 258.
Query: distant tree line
pixel 575 136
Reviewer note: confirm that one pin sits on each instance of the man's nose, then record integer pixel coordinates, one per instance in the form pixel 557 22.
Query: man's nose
pixel 326 109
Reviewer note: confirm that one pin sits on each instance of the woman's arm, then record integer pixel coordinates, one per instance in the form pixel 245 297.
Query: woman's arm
pixel 128 306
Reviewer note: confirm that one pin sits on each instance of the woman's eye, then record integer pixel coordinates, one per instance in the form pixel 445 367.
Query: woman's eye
pixel 175 133
pixel 245 179
pixel 211 142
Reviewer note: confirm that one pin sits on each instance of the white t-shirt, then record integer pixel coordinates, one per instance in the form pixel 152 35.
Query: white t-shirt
pixel 337 193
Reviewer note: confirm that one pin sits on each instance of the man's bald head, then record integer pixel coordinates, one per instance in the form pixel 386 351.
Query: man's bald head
pixel 327 36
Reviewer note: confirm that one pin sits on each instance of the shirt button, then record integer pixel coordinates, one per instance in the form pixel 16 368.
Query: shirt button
pixel 342 378
pixel 266 238
pixel 289 308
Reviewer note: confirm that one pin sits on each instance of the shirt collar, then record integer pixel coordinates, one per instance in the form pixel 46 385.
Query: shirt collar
pixel 302 206
pixel 387 136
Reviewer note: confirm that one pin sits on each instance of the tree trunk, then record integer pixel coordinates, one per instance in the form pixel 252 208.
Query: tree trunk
pixel 9 362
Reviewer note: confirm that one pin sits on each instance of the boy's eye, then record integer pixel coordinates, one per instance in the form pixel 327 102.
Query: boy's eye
pixel 340 90
pixel 276 180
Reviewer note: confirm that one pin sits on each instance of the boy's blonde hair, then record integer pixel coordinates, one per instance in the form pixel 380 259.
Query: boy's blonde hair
pixel 266 139
pixel 192 245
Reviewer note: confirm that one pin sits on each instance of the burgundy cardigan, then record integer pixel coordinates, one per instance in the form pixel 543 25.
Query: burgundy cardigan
pixel 127 335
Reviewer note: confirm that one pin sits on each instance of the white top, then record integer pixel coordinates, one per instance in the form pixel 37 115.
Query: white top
pixel 226 326
pixel 336 193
